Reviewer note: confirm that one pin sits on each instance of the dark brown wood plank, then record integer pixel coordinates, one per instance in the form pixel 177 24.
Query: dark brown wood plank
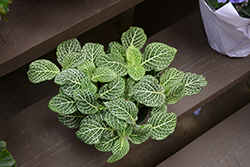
pixel 37 27
pixel 227 144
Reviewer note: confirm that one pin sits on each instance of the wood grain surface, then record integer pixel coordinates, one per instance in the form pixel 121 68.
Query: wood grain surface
pixel 37 27
pixel 227 144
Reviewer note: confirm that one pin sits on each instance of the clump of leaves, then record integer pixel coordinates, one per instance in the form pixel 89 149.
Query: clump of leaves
pixel 4 8
pixel 103 93
pixel 6 160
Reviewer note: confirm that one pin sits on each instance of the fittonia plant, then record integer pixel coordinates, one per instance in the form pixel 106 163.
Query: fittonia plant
pixel 103 93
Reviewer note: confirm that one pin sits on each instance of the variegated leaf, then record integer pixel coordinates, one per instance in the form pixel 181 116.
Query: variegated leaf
pixel 71 120
pixel 155 110
pixel 88 85
pixel 119 150
pixel 114 122
pixel 106 144
pixel 69 76
pixel 88 67
pixel 158 56
pixel 171 77
pixel 113 90
pixel 66 47
pixel 72 60
pixel 42 70
pixel 163 124
pixel 117 49
pixel 175 93
pixel 193 83
pixel 126 132
pixel 134 36
pixel 103 74
pixel 129 84
pixel 62 104
pixel 112 61
pixel 148 92
pixel 133 55
pixel 122 109
pixel 69 89
pixel 86 101
pixel 91 50
pixel 91 131
pixel 136 72
pixel 141 134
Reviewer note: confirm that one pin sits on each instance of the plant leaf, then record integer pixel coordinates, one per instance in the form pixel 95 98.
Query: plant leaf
pixel 114 122
pixel 106 144
pixel 91 131
pixel 134 36
pixel 133 55
pixel 72 60
pixel 129 85
pixel 69 76
pixel 148 92
pixel 103 74
pixel 117 49
pixel 6 159
pixel 62 104
pixel 158 56
pixel 91 50
pixel 88 85
pixel 119 150
pixel 175 93
pixel 88 67
pixel 66 47
pixel 140 135
pixel 136 72
pixel 72 121
pixel 163 124
pixel 86 101
pixel 193 83
pixel 126 132
pixel 42 70
pixel 171 77
pixel 113 90
pixel 122 109
pixel 112 61
pixel 163 108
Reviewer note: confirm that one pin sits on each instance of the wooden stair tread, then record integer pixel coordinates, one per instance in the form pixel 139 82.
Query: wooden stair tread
pixel 37 27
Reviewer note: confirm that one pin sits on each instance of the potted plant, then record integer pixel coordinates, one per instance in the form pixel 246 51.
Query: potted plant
pixel 105 95
pixel 6 159
pixel 227 26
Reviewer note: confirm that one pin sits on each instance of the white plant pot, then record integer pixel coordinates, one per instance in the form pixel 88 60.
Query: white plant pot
pixel 227 32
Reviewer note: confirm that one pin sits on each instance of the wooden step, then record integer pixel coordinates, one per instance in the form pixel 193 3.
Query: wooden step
pixel 227 144
pixel 36 138
pixel 36 27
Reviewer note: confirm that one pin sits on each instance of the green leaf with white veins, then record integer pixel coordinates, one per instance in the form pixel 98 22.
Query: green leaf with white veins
pixel 193 83
pixel 69 76
pixel 88 85
pixel 148 92
pixel 114 122
pixel 72 60
pixel 88 67
pixel 163 108
pixel 171 77
pixel 106 144
pixel 112 90
pixel 134 36
pixel 117 49
pixel 114 62
pixel 91 50
pixel 136 72
pixel 122 109
pixel 163 124
pixel 72 121
pixel 133 55
pixel 86 101
pixel 42 70
pixel 103 74
pixel 157 56
pixel 66 47
pixel 140 134
pixel 126 132
pixel 175 93
pixel 91 131
pixel 119 150
pixel 62 104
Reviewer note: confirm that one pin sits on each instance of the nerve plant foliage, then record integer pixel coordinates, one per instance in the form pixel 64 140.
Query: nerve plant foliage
pixel 103 93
